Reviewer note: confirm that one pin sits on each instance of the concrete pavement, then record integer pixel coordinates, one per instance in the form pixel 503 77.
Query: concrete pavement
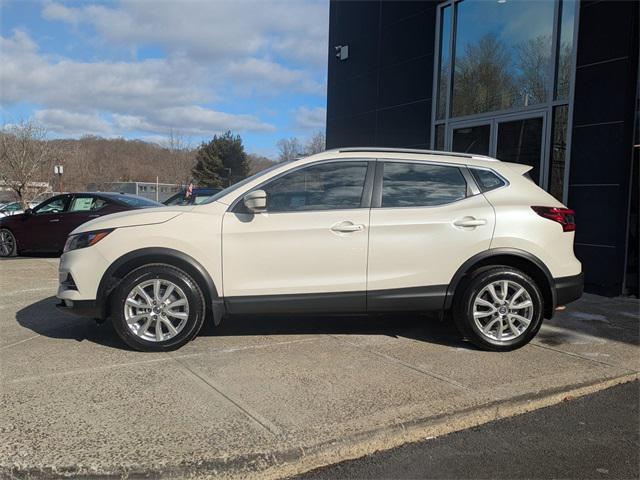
pixel 596 436
pixel 270 397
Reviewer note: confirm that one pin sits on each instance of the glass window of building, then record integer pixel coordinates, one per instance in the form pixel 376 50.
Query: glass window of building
pixel 558 152
pixel 565 49
pixel 444 61
pixel 502 55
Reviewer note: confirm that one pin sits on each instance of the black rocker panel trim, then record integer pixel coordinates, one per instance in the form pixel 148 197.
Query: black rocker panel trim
pixel 343 302
pixel 410 299
pixel 418 299
pixel 137 258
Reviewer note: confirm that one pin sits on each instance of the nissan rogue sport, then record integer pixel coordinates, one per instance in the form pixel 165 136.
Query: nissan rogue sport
pixel 355 230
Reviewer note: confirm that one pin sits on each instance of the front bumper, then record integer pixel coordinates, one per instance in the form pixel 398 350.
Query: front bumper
pixel 569 289
pixel 85 308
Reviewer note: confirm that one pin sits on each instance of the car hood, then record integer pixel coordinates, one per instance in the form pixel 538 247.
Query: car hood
pixel 6 219
pixel 132 218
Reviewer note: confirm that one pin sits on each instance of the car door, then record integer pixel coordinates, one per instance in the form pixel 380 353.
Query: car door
pixel 308 250
pixel 43 229
pixel 426 221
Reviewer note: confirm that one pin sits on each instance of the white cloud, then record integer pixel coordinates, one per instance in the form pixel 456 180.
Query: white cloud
pixel 262 76
pixel 56 11
pixel 310 118
pixel 151 95
pixel 192 120
pixel 213 51
pixel 212 30
pixel 70 123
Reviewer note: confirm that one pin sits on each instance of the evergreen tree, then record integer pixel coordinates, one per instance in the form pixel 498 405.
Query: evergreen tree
pixel 221 162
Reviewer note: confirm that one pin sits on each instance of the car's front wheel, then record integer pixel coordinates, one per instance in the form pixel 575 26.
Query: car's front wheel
pixel 8 244
pixel 499 309
pixel 157 308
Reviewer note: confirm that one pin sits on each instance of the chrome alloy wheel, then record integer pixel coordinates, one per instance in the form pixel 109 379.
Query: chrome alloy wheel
pixel 7 243
pixel 502 310
pixel 156 310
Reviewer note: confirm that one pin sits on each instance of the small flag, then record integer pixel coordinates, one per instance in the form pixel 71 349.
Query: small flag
pixel 189 191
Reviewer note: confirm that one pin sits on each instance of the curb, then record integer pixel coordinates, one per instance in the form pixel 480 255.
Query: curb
pixel 288 463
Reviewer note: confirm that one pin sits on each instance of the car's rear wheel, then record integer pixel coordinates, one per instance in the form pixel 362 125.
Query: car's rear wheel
pixel 157 308
pixel 8 244
pixel 499 309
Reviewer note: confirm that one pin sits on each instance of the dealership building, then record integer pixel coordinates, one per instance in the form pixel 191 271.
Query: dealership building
pixel 553 84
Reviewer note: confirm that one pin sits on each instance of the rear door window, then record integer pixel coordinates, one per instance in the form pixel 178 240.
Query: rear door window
pixel 421 185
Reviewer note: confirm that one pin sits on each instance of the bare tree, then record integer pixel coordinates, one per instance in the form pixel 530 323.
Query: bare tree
pixel 533 59
pixel 258 163
pixel 483 77
pixel 24 150
pixel 289 149
pixel 181 158
pixel 316 144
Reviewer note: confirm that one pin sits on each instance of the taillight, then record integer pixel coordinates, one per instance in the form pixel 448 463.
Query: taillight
pixel 564 216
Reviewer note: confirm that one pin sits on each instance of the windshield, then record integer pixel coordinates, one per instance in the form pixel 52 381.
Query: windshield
pixel 137 202
pixel 241 183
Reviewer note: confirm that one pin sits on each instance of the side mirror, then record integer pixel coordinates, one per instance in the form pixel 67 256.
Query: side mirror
pixel 256 201
pixel 28 211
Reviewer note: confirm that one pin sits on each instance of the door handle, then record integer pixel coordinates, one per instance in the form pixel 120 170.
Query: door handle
pixel 54 220
pixel 470 222
pixel 347 227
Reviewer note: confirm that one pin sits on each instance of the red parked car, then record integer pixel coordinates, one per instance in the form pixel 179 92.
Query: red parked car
pixel 44 229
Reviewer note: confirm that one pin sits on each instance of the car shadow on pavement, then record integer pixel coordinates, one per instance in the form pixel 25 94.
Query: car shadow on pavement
pixel 420 327
pixel 45 319
pixel 571 327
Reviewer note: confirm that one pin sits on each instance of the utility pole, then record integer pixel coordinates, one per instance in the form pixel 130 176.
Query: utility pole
pixel 59 170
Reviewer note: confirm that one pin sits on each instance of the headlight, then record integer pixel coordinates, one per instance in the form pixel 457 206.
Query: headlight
pixel 86 239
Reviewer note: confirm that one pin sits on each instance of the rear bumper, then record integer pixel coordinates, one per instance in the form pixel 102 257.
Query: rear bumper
pixel 85 308
pixel 569 289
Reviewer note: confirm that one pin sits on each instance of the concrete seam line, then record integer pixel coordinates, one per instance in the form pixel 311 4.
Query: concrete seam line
pixel 81 371
pixel 429 428
pixel 397 361
pixel 576 355
pixel 246 410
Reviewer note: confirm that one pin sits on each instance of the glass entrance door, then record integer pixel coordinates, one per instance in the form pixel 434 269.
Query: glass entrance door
pixel 517 139
pixel 472 139
pixel 521 141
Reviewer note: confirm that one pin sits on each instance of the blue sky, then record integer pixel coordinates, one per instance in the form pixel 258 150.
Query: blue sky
pixel 141 69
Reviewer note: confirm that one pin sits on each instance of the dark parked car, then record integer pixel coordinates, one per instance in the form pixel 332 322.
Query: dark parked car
pixel 198 195
pixel 45 227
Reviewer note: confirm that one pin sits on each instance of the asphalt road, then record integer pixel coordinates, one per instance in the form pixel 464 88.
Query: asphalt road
pixel 592 437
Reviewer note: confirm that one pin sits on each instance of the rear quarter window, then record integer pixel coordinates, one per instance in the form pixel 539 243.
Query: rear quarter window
pixel 486 179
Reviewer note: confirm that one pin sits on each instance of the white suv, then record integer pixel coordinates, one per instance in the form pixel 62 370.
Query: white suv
pixel 354 230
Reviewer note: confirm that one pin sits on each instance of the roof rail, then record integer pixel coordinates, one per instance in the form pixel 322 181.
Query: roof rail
pixel 408 150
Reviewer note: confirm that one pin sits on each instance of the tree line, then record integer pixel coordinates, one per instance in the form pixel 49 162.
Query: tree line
pixel 28 156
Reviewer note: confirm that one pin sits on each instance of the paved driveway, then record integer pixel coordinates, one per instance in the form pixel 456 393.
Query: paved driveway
pixel 273 396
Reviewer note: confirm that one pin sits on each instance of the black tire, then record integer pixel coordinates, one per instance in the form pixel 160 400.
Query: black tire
pixel 463 308
pixel 7 235
pixel 192 293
